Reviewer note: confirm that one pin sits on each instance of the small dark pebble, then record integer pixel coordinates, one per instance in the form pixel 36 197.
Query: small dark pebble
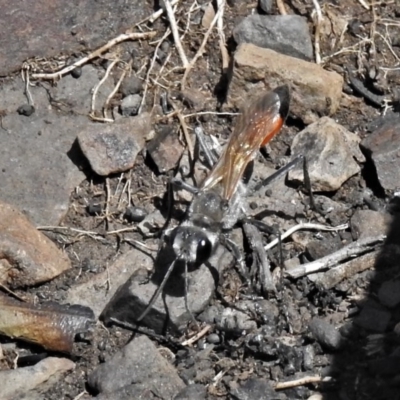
pixel 26 109
pixel 77 72
pixel 135 214
pixel 266 6
pixel 94 209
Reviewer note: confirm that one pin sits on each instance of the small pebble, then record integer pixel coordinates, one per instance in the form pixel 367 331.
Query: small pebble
pixel 94 209
pixel 213 338
pixel 77 72
pixel 135 214
pixel 26 109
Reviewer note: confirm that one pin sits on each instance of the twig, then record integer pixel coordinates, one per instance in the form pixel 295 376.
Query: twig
pixel 175 33
pixel 197 336
pixel 97 87
pixel 351 250
pixel 222 41
pixel 281 7
pixel 299 382
pixel 96 53
pixel 364 4
pixel 201 48
pixel 318 22
pixel 184 128
pixel 307 225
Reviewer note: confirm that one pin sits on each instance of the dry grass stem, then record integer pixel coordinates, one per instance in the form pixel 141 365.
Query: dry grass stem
pixel 175 33
pixel 95 54
pixel 281 7
pixel 317 21
pixel 364 4
pixel 298 382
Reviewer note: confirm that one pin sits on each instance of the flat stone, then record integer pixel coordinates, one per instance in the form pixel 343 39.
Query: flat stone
pixel 133 297
pixel 315 92
pixel 139 364
pixel 96 293
pixel 165 149
pixel 330 150
pixel 383 147
pixel 285 34
pixel 389 293
pixel 16 383
pixel 27 256
pixel 326 334
pixel 130 105
pixel 49 28
pixel 367 223
pixel 37 169
pixel 112 148
pixel 374 319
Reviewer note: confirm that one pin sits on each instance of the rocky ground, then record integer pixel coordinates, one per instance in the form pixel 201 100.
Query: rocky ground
pixel 98 105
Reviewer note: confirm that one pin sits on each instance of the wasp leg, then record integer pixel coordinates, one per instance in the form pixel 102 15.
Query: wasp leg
pixel 181 185
pixel 259 254
pixel 234 249
pixel 204 142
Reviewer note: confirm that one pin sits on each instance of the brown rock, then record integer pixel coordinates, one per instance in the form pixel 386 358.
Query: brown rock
pixel 314 91
pixel 113 148
pixel 27 257
pixel 330 150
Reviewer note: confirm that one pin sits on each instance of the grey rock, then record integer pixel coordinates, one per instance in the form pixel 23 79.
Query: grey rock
pixel 389 293
pixel 113 148
pixel 326 334
pixel 308 357
pixel 135 214
pixel 315 92
pixel 29 382
pixel 131 85
pixel 95 293
pixel 330 150
pixel 232 320
pixel 255 389
pixel 365 223
pixel 266 5
pixel 151 223
pixel 71 33
pixel 27 256
pixel 192 392
pixel 130 105
pixel 383 147
pixel 38 155
pixel 165 149
pixel 373 318
pixel 286 34
pixel 138 364
pixel 131 299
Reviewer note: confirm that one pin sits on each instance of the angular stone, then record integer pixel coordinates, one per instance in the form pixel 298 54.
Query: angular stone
pixel 314 91
pixel 37 171
pixel 285 34
pixel 49 28
pixel 133 297
pixel 27 256
pixel 113 148
pixel 165 149
pixel 326 334
pixel 21 382
pixel 139 364
pixel 95 293
pixel 365 223
pixel 383 147
pixel 330 150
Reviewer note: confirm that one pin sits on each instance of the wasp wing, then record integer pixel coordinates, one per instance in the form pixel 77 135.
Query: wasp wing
pixel 256 126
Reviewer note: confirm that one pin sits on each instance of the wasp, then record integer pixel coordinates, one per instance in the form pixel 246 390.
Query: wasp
pixel 216 205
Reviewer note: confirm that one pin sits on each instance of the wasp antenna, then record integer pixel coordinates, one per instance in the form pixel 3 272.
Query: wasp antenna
pixel 283 93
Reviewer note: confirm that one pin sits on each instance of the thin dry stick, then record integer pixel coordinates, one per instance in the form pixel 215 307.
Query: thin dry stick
pixel 97 87
pixel 197 336
pixel 318 22
pixel 201 48
pixel 281 7
pixel 222 41
pixel 298 382
pixel 352 250
pixel 175 33
pixel 96 53
pixel 115 90
pixel 307 225
pixel 364 4
pixel 184 128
